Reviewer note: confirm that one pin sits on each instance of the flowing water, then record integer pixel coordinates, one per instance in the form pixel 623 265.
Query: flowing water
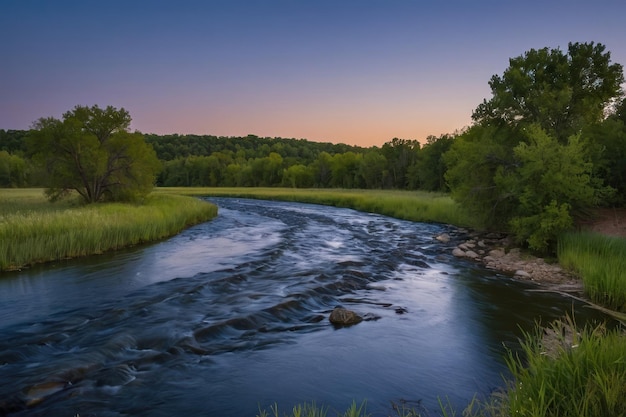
pixel 233 314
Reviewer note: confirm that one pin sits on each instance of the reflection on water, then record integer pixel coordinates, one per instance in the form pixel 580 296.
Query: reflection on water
pixel 232 314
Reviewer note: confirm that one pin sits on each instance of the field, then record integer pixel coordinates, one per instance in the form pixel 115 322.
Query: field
pixel 419 206
pixel 32 230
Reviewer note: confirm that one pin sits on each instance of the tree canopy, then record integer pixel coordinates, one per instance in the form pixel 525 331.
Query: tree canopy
pixel 92 152
pixel 527 163
pixel 560 92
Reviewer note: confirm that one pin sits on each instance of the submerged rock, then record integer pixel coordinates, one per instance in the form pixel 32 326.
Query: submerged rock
pixel 343 317
pixel 37 393
pixel 443 238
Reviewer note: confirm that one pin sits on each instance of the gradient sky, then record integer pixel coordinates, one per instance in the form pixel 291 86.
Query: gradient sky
pixel 352 71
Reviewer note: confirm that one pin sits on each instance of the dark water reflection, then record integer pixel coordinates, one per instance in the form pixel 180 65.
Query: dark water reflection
pixel 232 314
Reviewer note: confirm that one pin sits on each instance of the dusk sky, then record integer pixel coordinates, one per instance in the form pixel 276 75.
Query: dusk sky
pixel 356 71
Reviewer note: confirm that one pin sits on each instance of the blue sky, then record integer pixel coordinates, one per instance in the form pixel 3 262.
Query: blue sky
pixel 355 71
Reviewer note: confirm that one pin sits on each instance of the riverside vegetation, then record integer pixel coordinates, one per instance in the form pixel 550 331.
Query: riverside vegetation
pixel 33 230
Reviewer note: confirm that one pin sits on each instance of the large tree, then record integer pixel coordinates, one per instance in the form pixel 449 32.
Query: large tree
pixel 92 152
pixel 523 165
pixel 561 92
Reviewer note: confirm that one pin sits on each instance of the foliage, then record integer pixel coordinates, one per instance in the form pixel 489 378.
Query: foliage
pixel 606 144
pixel 473 161
pixel 550 180
pixel 12 141
pixel 560 92
pixel 427 173
pixel 91 152
pixel 570 373
pixel 601 262
pixel 33 231
pixel 525 165
pixel 400 155
pixel 14 171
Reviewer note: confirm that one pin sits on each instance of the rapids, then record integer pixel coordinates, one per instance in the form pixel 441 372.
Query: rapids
pixel 232 315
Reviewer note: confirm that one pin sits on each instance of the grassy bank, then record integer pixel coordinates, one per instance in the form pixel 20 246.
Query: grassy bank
pixel 564 372
pixel 419 206
pixel 33 230
pixel 601 263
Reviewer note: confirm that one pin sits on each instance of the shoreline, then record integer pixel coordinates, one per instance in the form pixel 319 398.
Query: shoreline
pixel 496 251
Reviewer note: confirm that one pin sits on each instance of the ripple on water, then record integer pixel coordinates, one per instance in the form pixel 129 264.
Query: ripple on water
pixel 234 313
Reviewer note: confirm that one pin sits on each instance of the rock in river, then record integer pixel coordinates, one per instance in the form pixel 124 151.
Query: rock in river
pixel 343 317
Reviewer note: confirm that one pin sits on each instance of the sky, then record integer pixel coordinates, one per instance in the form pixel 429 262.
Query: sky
pixel 360 72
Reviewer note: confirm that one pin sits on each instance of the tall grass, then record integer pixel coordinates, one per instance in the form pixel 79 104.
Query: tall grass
pixel 407 205
pixel 33 230
pixel 601 262
pixel 574 374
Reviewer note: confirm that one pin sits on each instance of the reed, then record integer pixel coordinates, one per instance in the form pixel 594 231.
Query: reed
pixel 417 206
pixel 601 263
pixel 574 374
pixel 33 230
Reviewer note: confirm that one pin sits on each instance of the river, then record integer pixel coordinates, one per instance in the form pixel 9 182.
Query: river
pixel 232 315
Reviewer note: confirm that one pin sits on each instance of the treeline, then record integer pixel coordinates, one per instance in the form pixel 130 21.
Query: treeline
pixel 251 161
pixel 270 162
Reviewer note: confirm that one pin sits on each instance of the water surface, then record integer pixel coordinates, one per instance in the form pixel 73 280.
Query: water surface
pixel 232 314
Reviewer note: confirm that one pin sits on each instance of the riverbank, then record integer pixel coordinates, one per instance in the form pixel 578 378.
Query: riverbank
pixel 36 231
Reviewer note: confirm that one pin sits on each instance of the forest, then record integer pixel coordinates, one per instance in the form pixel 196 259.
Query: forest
pixel 250 161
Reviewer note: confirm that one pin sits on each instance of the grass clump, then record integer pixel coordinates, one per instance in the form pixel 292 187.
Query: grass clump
pixel 419 206
pixel 566 373
pixel 601 263
pixel 312 410
pixel 33 230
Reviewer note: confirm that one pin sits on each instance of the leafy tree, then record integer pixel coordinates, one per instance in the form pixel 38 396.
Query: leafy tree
pixel 473 161
pixel 524 165
pixel 14 171
pixel 91 151
pixel 400 155
pixel 298 176
pixel 551 182
pixel 560 92
pixel 427 173
pixel 373 169
pixel 606 144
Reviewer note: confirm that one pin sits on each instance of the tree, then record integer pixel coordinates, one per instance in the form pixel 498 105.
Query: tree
pixel 92 152
pixel 551 182
pixel 427 173
pixel 562 93
pixel 525 165
pixel 13 170
pixel 400 154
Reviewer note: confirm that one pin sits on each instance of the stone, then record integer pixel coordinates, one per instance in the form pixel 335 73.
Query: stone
pixel 522 273
pixel 458 252
pixel 443 238
pixel 471 254
pixel 344 317
pixel 496 253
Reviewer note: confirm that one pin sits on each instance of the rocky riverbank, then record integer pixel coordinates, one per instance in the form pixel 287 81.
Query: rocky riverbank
pixel 498 252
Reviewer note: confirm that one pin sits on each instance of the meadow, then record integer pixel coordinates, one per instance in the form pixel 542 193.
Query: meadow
pixel 418 206
pixel 601 263
pixel 33 230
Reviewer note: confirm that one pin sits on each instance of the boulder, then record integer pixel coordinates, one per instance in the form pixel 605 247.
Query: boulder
pixel 458 252
pixel 343 317
pixel 443 238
